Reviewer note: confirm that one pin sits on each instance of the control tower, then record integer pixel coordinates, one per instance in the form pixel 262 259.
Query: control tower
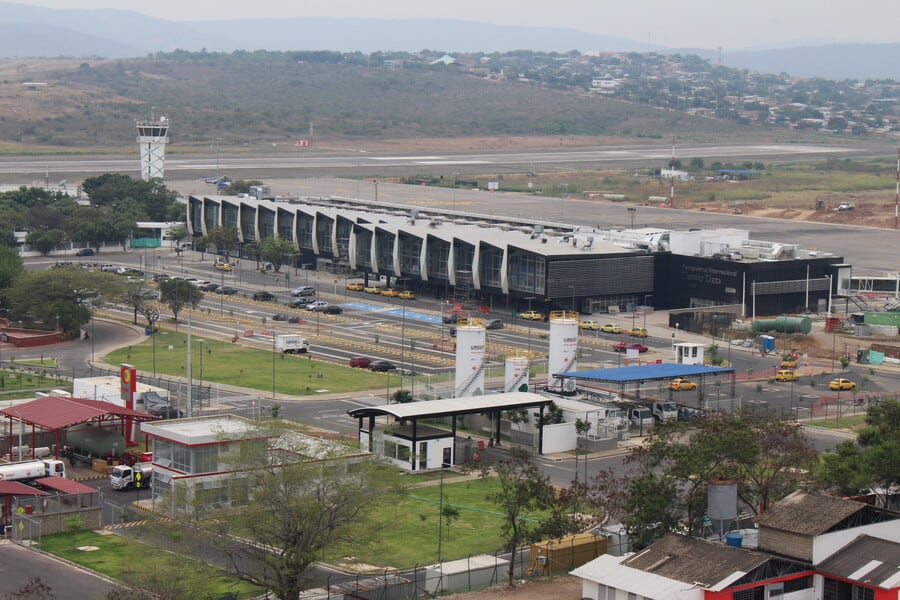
pixel 152 138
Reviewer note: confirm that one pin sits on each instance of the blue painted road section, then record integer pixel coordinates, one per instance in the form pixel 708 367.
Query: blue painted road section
pixel 395 312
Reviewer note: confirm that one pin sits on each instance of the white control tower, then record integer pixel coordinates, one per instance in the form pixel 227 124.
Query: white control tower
pixel 152 138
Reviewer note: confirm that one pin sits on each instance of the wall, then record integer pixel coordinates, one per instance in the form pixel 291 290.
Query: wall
pixel 827 544
pixel 786 543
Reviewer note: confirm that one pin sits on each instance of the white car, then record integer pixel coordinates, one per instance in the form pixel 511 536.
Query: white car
pixel 318 305
pixel 197 282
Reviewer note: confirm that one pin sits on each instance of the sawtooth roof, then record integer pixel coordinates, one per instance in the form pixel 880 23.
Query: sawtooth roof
pixel 695 561
pixel 808 514
pixel 869 560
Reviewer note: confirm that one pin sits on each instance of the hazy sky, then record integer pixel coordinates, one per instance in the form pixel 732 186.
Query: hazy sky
pixel 682 23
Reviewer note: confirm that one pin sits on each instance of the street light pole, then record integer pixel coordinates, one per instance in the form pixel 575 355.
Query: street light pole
pixel 529 299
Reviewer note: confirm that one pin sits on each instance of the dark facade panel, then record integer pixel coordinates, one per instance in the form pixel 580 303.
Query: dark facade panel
pixel 599 276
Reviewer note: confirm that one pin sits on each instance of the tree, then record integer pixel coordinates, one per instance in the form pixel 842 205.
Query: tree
pixel 296 508
pixel 523 491
pixel 402 397
pixel 276 251
pixel 450 514
pixel 61 294
pixel 10 269
pixel 178 293
pixel 45 241
pixel 224 238
pixel 135 294
pixel 665 485
pixel 240 186
pixel 871 463
pixel 152 199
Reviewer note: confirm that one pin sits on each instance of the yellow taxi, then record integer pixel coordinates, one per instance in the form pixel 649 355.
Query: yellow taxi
pixel 406 295
pixel 590 325
pixel 391 292
pixel 788 362
pixel 531 315
pixel 224 266
pixel 638 332
pixel 372 290
pixel 841 384
pixel 610 328
pixel 679 384
pixel 786 375
pixel 356 287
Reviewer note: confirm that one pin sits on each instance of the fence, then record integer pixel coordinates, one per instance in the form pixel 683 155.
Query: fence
pixel 466 575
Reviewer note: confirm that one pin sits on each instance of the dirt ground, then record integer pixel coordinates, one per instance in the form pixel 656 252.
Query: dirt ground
pixel 556 588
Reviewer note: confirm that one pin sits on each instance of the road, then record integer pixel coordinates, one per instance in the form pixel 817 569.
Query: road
pixel 19 565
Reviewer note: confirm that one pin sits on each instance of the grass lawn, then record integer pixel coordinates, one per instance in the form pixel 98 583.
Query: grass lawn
pixel 850 422
pixel 406 531
pixel 32 378
pixel 132 562
pixel 224 362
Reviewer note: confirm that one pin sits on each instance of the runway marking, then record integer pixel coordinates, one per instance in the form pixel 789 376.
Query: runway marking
pixel 406 158
pixel 452 162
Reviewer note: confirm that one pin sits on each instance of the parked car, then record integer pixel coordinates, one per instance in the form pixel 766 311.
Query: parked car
pixel 679 384
pixel 297 302
pixel 356 287
pixel 638 332
pixel 406 295
pixel 361 362
pixel 372 289
pixel 166 412
pixel 450 318
pixel 85 252
pixel 391 292
pixel 303 290
pixel 382 366
pixel 589 325
pixel 493 324
pixel 223 266
pixel 331 309
pixel 109 268
pixel 317 305
pixel 623 346
pixel 263 296
pixel 227 290
pixel 208 286
pixel 610 328
pixel 531 315
pixel 786 375
pixel 160 277
pixel 294 319
pixel 279 317
pixel 841 384
pixel 129 272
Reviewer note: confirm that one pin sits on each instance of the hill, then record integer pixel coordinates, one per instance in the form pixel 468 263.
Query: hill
pixel 249 98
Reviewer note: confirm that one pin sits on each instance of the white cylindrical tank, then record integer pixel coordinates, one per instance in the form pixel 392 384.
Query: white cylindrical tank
pixel 563 348
pixel 470 343
pixel 721 504
pixel 516 379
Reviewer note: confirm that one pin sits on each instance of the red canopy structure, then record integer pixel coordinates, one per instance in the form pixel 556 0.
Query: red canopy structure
pixel 55 413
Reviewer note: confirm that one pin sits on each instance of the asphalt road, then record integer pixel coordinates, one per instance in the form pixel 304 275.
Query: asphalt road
pixel 18 565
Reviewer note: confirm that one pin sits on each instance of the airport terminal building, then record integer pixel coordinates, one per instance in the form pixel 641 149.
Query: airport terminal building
pixel 479 260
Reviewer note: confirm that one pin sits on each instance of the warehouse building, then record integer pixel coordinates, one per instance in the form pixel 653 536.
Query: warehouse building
pixel 479 260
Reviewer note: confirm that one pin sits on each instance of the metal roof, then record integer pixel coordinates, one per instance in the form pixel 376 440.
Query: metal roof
pixel 868 560
pixel 645 372
pixel 453 406
pixel 57 412
pixel 608 570
pixel 65 486
pixel 15 488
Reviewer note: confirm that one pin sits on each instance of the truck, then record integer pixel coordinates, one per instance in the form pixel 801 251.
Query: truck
pixel 124 477
pixel 292 343
pixel 844 207
pixel 664 411
pixel 32 469
pixel 640 417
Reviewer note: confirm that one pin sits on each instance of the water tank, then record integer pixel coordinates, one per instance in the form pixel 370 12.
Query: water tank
pixel 783 325
pixel 722 500
pixel 516 378
pixel 470 345
pixel 734 539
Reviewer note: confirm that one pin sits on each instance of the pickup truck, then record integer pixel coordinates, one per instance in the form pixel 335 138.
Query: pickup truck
pixel 844 207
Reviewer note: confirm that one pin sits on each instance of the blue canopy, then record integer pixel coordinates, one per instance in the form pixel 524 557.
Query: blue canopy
pixel 645 372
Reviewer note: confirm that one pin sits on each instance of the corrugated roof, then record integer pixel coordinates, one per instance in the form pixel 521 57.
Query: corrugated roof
pixel 645 372
pixel 453 406
pixel 695 561
pixel 608 570
pixel 15 488
pixel 57 412
pixel 868 560
pixel 63 485
pixel 808 514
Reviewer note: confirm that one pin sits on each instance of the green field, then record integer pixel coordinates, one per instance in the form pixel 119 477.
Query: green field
pixel 404 532
pixel 142 565
pixel 29 377
pixel 233 364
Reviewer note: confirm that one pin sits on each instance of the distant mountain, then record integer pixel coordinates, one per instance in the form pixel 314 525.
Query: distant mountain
pixel 36 31
pixel 835 61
